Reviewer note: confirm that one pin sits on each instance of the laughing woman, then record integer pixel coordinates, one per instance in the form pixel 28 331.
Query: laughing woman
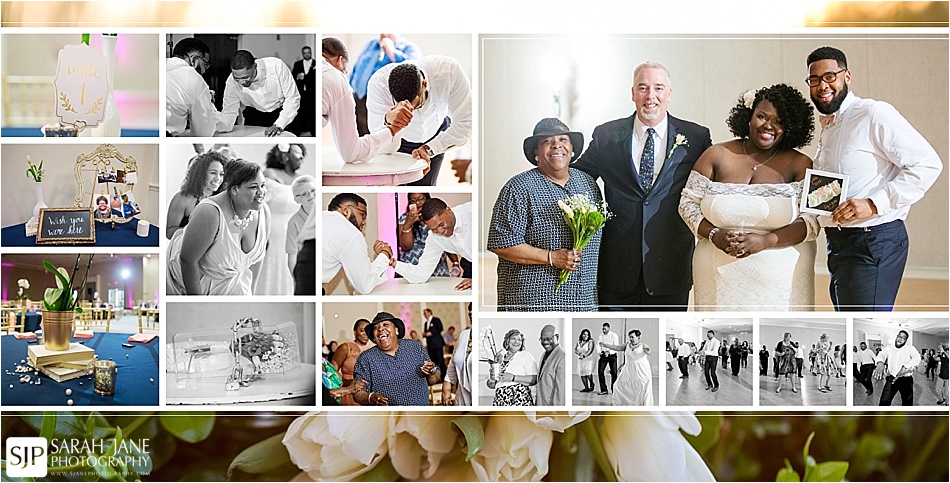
pixel 221 249
pixel 741 202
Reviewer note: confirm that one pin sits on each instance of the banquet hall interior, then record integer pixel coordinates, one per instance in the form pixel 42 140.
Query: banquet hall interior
pixel 691 391
pixel 807 333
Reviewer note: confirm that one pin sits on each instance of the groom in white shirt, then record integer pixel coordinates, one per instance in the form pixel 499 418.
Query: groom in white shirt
pixel 890 167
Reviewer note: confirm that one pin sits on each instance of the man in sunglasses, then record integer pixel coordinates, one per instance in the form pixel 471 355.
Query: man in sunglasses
pixel 890 166
pixel 441 97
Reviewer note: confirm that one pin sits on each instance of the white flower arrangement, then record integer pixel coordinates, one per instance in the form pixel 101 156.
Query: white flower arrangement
pixel 748 98
pixel 679 140
pixel 585 218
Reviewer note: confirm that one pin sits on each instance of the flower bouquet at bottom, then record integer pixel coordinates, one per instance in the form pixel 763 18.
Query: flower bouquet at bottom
pixel 585 218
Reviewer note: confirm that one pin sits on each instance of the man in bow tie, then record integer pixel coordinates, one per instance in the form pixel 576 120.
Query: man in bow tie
pixel 890 167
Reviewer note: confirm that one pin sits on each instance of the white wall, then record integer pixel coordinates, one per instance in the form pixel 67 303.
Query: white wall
pixel 865 330
pixel 519 77
pixel 59 183
pixel 771 331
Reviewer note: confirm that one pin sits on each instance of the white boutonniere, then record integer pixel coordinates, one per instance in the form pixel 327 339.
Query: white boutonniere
pixel 680 140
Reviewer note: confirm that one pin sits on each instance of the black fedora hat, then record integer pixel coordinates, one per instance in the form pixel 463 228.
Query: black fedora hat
pixel 382 316
pixel 552 126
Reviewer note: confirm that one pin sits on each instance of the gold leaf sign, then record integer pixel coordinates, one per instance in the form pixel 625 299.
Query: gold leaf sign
pixel 83 85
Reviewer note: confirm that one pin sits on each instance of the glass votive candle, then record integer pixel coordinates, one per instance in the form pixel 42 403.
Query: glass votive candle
pixel 105 372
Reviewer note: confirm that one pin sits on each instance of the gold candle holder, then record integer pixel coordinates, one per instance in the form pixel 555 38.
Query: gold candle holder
pixel 105 373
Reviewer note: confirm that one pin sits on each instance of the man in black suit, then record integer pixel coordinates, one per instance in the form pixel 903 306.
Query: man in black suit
pixel 435 344
pixel 646 250
pixel 305 75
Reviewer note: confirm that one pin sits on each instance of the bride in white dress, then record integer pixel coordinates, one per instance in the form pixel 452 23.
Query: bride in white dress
pixel 755 251
pixel 634 386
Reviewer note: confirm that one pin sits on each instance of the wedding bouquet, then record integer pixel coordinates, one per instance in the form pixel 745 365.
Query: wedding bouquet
pixel 585 218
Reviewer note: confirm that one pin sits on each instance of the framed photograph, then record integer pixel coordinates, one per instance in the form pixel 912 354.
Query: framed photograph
pixel 823 192
pixel 102 208
pixel 106 175
pixel 128 207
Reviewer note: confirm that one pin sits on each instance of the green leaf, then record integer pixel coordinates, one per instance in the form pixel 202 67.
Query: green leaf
pixel 805 451
pixel 568 440
pixel 474 434
pixel 52 299
pixel 62 278
pixel 827 471
pixel 261 457
pixel 786 474
pixel 383 471
pixel 190 428
pixel 707 438
pixel 67 425
pixel 49 425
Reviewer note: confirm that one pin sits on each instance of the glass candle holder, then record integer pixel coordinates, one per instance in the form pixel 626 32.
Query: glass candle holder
pixel 105 373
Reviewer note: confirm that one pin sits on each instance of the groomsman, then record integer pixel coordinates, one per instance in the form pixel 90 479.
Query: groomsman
pixel 890 167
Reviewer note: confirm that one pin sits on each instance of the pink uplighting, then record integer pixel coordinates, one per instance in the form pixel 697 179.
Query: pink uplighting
pixel 386 219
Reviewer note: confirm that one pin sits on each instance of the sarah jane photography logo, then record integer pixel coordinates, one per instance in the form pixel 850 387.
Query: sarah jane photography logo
pixel 38 457
pixel 26 457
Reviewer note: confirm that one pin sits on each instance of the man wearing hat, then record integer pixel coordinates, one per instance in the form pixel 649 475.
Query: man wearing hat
pixel 528 232
pixel 397 371
pixel 644 160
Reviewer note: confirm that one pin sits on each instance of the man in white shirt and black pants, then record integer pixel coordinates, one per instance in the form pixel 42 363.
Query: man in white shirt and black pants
pixel 682 358
pixel 865 361
pixel 900 359
pixel 441 97
pixel 608 357
pixel 711 349
pixel 890 166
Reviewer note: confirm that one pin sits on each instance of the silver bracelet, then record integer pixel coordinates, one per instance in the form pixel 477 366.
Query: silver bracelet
pixel 712 233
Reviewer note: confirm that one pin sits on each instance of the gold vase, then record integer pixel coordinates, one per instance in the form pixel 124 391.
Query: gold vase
pixel 57 330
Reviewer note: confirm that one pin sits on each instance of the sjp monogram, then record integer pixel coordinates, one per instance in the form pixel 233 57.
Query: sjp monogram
pixel 26 457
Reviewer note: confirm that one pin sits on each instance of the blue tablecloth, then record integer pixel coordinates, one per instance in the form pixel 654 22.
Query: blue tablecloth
pixel 123 236
pixel 36 132
pixel 33 320
pixel 133 387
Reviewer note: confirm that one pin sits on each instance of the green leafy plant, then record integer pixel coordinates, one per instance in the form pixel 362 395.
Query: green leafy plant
pixel 65 297
pixel 34 171
pixel 827 471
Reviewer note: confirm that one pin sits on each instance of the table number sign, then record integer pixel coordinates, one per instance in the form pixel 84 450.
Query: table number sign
pixel 82 86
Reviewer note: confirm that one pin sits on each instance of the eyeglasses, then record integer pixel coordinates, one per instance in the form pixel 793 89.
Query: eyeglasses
pixel 828 77
pixel 548 339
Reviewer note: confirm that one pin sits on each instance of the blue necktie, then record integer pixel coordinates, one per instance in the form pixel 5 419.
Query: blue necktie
pixel 646 163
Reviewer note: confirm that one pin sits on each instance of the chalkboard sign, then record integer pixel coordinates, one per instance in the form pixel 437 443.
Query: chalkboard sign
pixel 60 226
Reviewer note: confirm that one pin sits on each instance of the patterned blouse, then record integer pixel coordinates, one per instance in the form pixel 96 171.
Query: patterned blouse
pixel 526 211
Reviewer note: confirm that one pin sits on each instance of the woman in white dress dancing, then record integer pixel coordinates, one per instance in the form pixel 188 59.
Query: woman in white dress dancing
pixel 634 386
pixel 741 201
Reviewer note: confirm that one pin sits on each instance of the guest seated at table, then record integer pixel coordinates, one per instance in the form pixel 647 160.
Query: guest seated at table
pixel 339 109
pixel 398 372
pixel 221 249
pixel 344 246
pixel 450 232
pixel 205 173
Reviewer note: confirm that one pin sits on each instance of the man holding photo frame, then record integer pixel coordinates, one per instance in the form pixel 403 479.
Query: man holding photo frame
pixel 890 166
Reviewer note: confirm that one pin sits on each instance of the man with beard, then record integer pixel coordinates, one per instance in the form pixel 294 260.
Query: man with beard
pixel 398 372
pixel 551 372
pixel 344 246
pixel 188 99
pixel 900 358
pixel 890 167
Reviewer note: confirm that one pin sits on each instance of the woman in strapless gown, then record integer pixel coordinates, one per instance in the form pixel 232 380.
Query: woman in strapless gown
pixel 755 251
pixel 634 386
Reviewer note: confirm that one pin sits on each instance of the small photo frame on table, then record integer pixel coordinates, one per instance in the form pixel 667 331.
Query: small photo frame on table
pixel 823 191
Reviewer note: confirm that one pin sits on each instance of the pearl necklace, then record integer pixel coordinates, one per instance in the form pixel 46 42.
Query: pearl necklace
pixel 240 222
pixel 752 160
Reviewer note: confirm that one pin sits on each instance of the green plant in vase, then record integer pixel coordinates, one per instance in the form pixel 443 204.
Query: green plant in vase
pixel 61 303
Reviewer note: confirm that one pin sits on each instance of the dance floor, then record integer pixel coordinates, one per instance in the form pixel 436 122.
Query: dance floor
pixel 924 394
pixel 579 398
pixel 733 390
pixel 808 393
